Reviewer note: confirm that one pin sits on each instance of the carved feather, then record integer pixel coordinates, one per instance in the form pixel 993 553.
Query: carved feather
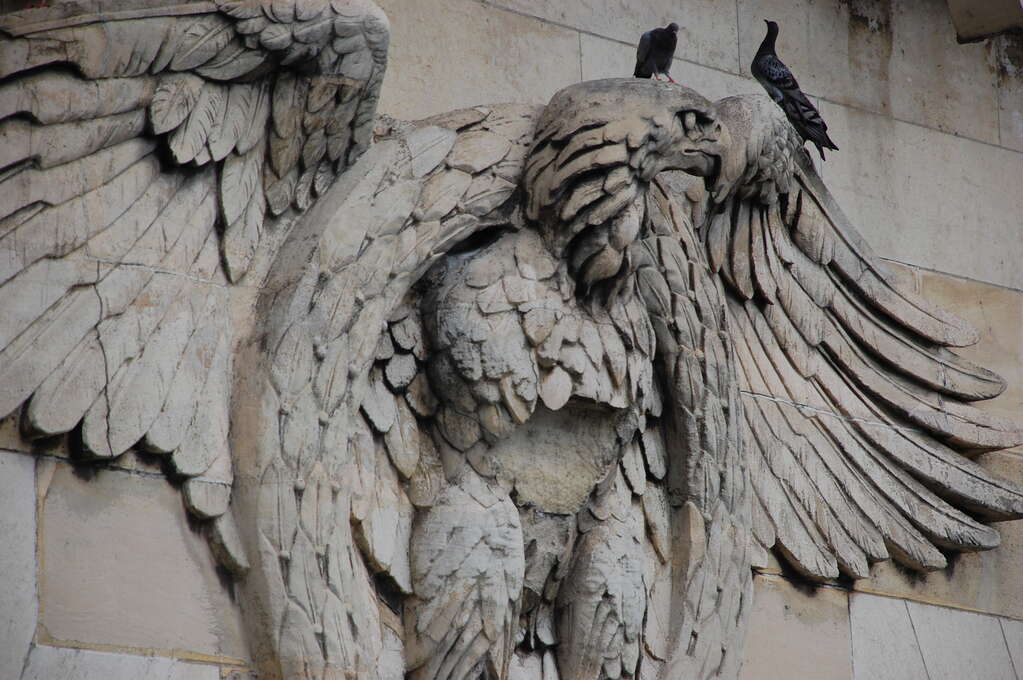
pixel 128 335
pixel 852 399
pixel 243 207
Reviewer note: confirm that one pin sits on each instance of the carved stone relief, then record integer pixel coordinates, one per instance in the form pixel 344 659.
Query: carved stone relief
pixel 527 391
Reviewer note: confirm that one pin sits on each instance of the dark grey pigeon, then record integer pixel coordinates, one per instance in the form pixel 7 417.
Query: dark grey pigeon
pixel 779 82
pixel 655 52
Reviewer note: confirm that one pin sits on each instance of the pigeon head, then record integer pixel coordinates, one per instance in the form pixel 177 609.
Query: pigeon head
pixel 598 146
pixel 772 28
pixel 673 27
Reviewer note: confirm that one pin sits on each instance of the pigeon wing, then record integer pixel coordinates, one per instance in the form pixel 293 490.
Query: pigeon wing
pixel 803 115
pixel 643 52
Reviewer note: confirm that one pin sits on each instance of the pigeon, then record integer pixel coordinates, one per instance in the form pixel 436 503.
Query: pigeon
pixel 779 82
pixel 655 52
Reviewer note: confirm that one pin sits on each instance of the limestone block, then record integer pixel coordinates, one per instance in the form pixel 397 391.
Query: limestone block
pixel 121 566
pixel 603 58
pixel 707 35
pixel 17 560
pixel 797 633
pixel 58 663
pixel 921 196
pixel 1007 52
pixel 976 20
pixel 897 58
pixel 884 644
pixel 850 55
pixel 956 89
pixel 989 581
pixel 447 54
pixel 958 644
pixel 996 313
pixel 1013 632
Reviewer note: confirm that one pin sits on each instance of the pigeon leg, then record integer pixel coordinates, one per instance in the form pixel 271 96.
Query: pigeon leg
pixel 670 79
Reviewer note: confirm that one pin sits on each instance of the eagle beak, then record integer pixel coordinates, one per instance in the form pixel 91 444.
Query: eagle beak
pixel 730 167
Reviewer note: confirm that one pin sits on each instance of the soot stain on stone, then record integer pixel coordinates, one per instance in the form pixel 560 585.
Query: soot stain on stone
pixel 870 43
pixel 869 15
pixel 1005 54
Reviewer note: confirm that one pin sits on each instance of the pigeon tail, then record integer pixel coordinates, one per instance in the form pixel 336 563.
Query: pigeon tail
pixel 825 144
pixel 817 133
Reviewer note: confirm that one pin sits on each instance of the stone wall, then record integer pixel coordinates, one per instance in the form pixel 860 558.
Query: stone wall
pixel 105 577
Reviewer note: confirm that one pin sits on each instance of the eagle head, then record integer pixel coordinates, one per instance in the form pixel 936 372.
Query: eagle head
pixel 598 146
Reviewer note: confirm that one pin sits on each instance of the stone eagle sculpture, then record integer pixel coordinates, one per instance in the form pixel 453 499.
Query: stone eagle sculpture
pixel 524 393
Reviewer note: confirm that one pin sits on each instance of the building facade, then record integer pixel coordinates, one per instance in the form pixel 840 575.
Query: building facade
pixel 104 576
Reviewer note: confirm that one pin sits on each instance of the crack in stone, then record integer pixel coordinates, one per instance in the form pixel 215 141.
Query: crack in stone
pixel 819 411
pixel 159 270
pixel 106 365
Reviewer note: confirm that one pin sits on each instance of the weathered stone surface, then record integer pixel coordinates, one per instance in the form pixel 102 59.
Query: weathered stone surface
pixel 18 604
pixel 937 211
pixel 1005 51
pixel 400 370
pixel 907 639
pixel 985 581
pixel 794 634
pixel 1013 631
pixel 960 644
pixel 957 93
pixel 420 396
pixel 534 59
pixel 429 146
pixel 884 642
pixel 997 314
pixel 706 34
pixel 442 193
pixel 477 151
pixel 555 458
pixel 385 530
pixel 132 526
pixel 973 22
pixel 555 388
pixel 56 663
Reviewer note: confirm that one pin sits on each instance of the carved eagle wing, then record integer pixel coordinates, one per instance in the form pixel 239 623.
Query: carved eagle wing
pixel 809 402
pixel 859 413
pixel 147 154
pixel 351 504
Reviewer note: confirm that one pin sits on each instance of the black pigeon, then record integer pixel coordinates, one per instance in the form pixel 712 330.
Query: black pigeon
pixel 779 82
pixel 655 52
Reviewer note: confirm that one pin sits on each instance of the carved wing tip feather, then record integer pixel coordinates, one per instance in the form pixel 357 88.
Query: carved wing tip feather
pixel 858 412
pixel 952 331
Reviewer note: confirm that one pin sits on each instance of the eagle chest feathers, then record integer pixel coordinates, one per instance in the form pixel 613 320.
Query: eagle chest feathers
pixel 550 393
